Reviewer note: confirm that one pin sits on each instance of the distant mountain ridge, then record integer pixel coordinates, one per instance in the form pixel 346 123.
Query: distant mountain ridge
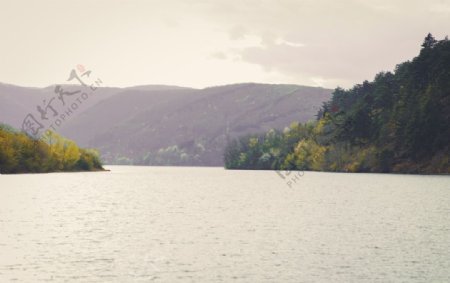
pixel 170 125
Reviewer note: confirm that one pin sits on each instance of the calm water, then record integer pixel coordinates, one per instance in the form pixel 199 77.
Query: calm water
pixel 143 224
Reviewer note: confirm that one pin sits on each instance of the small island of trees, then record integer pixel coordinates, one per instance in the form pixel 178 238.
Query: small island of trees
pixel 20 153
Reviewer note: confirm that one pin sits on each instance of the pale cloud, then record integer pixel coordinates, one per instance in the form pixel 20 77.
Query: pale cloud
pixel 238 32
pixel 200 43
pixel 443 7
pixel 219 55
pixel 281 41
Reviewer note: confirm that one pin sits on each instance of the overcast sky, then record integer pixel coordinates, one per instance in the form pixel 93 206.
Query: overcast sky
pixel 201 43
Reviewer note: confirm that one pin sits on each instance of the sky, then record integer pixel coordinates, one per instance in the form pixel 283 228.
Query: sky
pixel 200 43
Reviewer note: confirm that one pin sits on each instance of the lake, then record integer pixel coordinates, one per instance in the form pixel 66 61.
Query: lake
pixel 169 224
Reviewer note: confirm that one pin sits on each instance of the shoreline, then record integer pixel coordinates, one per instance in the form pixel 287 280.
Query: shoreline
pixel 77 171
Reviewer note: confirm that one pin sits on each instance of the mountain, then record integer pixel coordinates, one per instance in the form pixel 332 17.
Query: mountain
pixel 397 123
pixel 169 125
pixel 16 101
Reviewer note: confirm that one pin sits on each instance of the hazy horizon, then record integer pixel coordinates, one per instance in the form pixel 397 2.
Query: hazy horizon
pixel 210 43
pixel 164 85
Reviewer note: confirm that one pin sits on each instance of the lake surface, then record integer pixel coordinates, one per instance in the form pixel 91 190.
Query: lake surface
pixel 167 224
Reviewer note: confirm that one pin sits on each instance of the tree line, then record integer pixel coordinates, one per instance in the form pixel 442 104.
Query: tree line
pixel 399 122
pixel 20 153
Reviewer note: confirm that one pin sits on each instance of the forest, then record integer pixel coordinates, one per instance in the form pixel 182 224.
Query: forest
pixel 397 123
pixel 20 153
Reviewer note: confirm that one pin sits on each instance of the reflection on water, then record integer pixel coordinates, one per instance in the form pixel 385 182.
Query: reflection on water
pixel 142 224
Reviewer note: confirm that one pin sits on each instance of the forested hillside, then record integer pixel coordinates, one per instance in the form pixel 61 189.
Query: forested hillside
pixel 188 126
pixel 397 123
pixel 169 125
pixel 21 154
